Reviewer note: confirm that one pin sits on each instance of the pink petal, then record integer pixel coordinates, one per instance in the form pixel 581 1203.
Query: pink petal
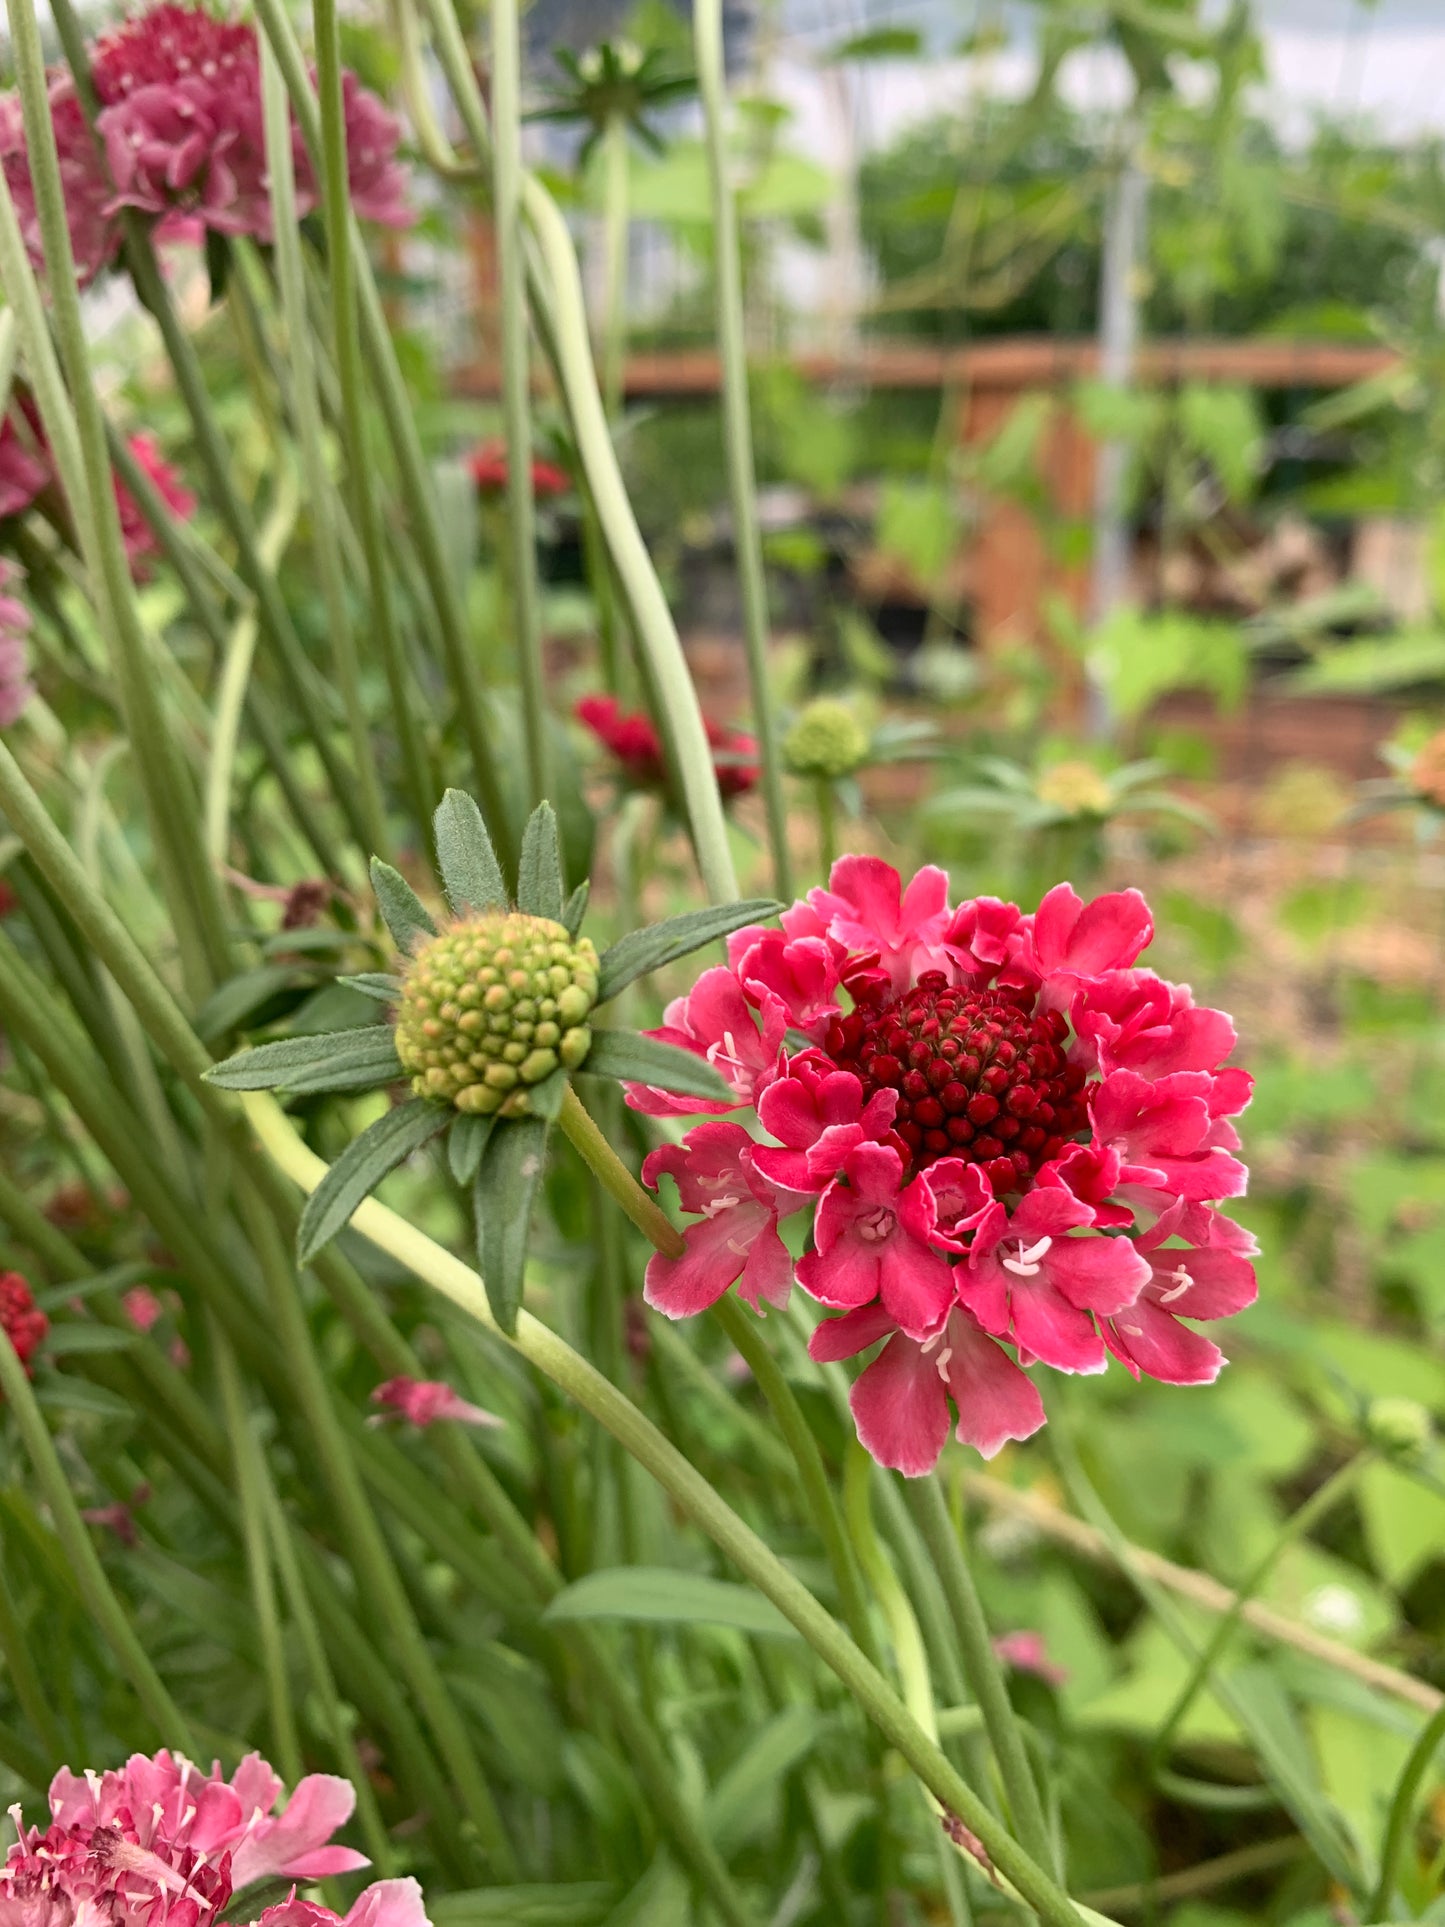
pixel 996 1400
pixel 1048 1327
pixel 768 1273
pixel 915 1284
pixel 900 1408
pixel 389 1903
pixel 845 1337
pixel 717 1250
pixel 846 1274
pixel 1096 1273
pixel 1087 938
pixel 1148 1340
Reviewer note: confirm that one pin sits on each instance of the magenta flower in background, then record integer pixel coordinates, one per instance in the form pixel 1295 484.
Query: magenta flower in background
pixel 1013 1142
pixel 24 470
pixel 385 1903
pixel 16 688
pixel 22 1323
pixel 423 1401
pixel 136 532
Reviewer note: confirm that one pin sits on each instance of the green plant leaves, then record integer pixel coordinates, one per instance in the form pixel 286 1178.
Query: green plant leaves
pixel 636 1059
pixel 374 983
pixel 466 1144
pixel 640 951
pixel 470 871
pixel 407 917
pixel 506 1185
pixel 338 1060
pixel 361 1167
pixel 575 908
pixel 539 868
pixel 663 1596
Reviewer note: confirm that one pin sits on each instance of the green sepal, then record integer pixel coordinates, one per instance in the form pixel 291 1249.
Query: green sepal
pixel 471 874
pixel 545 1099
pixel 361 1167
pixel 638 1059
pixel 639 951
pixel 337 1060
pixel 466 1144
pixel 374 983
pixel 506 1185
pixel 407 917
pixel 539 869
pixel 575 908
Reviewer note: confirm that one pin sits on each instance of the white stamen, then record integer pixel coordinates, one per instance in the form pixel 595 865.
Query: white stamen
pixel 1182 1283
pixel 1134 1331
pixel 1027 1264
pixel 724 1203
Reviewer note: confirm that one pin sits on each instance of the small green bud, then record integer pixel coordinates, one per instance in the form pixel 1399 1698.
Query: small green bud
pixel 826 741
pixel 1399 1427
pixel 490 1007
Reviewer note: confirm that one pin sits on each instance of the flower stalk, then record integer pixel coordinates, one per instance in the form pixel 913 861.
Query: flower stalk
pixel 742 482
pixel 586 1138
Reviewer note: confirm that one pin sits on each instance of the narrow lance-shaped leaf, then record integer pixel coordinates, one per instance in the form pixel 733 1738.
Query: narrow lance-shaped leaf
pixel 639 1059
pixel 663 1595
pixel 374 983
pixel 338 1060
pixel 466 1144
pixel 575 908
pixel 539 869
pixel 407 917
pixel 470 871
pixel 640 951
pixel 361 1167
pixel 511 1169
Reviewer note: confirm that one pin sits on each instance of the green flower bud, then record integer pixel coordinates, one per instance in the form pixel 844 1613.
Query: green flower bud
pixel 826 741
pixel 491 1007
pixel 1399 1427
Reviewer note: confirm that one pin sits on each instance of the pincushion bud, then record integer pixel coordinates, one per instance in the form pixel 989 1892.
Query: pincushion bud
pixel 1399 1427
pixel 826 741
pixel 493 1006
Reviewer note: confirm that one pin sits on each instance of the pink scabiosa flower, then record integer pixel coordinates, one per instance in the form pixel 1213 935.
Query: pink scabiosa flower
pixel 635 744
pixel 24 471
pixel 385 1903
pixel 85 185
pixel 735 1239
pixel 487 465
pixel 22 1322
pixel 16 688
pixel 136 532
pixel 1013 1141
pixel 424 1401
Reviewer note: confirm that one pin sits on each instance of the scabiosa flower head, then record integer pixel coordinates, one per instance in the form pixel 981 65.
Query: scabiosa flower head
pixel 16 688
pixel 491 1007
pixel 1012 1139
pixel 24 470
pixel 85 185
pixel 634 742
pixel 22 1321
pixel 487 465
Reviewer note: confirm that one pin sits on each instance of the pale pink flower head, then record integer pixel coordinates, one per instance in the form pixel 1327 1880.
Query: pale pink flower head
pixel 1026 1652
pixel 1007 1133
pixel 425 1401
pixel 16 688
pixel 385 1903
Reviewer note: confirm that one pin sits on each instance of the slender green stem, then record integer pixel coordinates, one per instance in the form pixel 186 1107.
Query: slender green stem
pixel 573 1375
pixel 346 349
pixel 245 1460
pixel 587 1139
pixel 512 293
pixel 100 1600
pixel 742 480
pixel 615 228
pixel 24 1675
pixel 824 796
pixel 746 1337
pixel 306 411
pixel 981 1665
pixel 1301 1521
pixel 75 426
pixel 417 488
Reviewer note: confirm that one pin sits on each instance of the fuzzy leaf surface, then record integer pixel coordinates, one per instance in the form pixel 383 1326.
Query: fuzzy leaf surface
pixel 640 951
pixel 361 1167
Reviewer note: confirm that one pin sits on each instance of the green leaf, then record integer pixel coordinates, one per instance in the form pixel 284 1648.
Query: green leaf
pixel 739 1804
pixel 663 1596
pixel 579 1904
pixel 636 1059
pixel 546 1097
pixel 466 1144
pixel 374 983
pixel 882 43
pixel 361 1167
pixel 539 869
pixel 575 908
pixel 407 917
pixel 230 1005
pixel 66 1340
pixel 470 871
pixel 640 951
pixel 338 1060
pixel 511 1170
pixel 60 1392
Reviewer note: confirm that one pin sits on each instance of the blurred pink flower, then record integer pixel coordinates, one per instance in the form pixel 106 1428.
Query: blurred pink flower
pixel 16 688
pixel 23 471
pixel 141 1307
pixel 136 532
pixel 1026 1653
pixel 22 1322
pixel 85 185
pixel 423 1401
pixel 385 1903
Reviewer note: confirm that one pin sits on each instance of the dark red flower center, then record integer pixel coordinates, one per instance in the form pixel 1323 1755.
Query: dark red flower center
pixel 979 1075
